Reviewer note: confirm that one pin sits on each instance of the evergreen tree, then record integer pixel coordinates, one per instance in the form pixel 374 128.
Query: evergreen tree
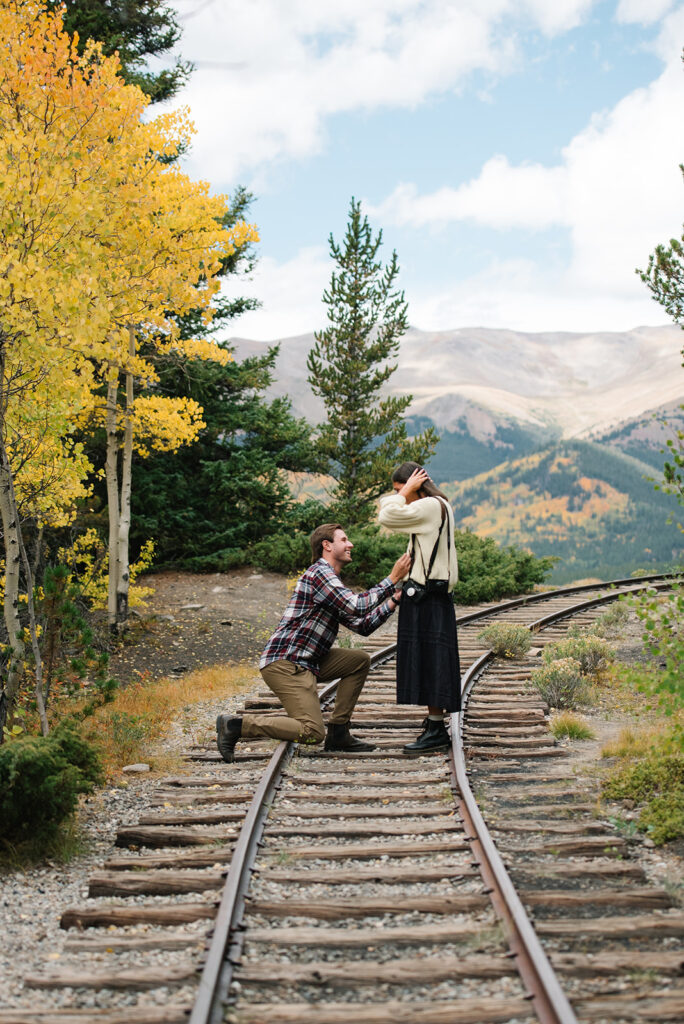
pixel 207 502
pixel 364 435
pixel 664 278
pixel 136 29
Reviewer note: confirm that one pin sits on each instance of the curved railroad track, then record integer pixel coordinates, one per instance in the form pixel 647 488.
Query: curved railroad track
pixel 368 885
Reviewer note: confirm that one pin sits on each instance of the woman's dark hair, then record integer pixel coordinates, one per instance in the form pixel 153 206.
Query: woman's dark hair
pixel 428 490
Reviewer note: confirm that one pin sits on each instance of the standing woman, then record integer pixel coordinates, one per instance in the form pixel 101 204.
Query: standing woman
pixel 428 670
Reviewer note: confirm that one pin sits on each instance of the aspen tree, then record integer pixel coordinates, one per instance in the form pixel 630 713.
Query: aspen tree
pixel 99 238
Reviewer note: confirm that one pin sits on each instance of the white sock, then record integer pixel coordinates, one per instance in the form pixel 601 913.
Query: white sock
pixel 436 718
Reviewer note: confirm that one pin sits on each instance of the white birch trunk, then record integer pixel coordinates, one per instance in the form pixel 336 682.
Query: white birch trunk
pixel 15 554
pixel 112 476
pixel 11 600
pixel 123 555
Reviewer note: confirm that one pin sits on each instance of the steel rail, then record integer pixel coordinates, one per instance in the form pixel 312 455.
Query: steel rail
pixel 521 602
pixel 227 937
pixel 550 1002
pixel 228 933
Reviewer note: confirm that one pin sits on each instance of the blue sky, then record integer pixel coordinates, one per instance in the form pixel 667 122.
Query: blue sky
pixel 520 155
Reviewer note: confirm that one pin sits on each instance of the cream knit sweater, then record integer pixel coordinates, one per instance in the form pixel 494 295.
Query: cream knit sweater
pixel 422 518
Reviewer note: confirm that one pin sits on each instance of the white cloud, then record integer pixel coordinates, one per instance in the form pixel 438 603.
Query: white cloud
pixel 502 196
pixel 617 191
pixel 643 12
pixel 270 73
pixel 290 294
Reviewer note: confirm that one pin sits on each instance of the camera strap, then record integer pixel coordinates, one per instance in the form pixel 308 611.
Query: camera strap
pixel 445 517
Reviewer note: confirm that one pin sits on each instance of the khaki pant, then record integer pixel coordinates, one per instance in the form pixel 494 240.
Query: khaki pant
pixel 295 688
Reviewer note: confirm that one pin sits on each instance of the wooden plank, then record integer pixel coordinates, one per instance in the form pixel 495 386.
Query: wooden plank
pixel 363 796
pixel 380 873
pixel 203 818
pixel 567 869
pixel 153 883
pixel 500 741
pixel 653 1006
pixel 320 811
pixel 218 781
pixel 338 910
pixel 141 913
pixel 170 1013
pixel 646 896
pixel 465 1011
pixel 646 925
pixel 350 938
pixel 199 797
pixel 562 828
pixel 364 851
pixel 589 846
pixel 591 964
pixel 406 778
pixel 511 752
pixel 157 835
pixel 407 828
pixel 401 971
pixel 147 977
pixel 124 943
pixel 205 858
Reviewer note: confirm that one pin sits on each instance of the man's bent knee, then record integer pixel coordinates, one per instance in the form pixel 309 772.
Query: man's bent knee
pixel 364 659
pixel 311 732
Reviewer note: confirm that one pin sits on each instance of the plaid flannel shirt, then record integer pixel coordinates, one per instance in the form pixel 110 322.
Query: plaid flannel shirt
pixel 311 621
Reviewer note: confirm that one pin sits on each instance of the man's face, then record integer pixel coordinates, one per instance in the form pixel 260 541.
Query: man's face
pixel 340 547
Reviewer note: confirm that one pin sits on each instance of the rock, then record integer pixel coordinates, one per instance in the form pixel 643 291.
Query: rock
pixel 191 607
pixel 166 618
pixel 226 622
pixel 256 576
pixel 136 769
pixel 218 590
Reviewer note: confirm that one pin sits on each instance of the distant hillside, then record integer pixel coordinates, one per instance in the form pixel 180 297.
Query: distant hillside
pixel 582 502
pixel 645 437
pixel 564 383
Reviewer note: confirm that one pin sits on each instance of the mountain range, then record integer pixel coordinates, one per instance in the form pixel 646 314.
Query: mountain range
pixel 546 440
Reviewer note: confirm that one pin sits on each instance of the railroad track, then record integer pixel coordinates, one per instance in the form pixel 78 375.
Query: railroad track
pixel 368 885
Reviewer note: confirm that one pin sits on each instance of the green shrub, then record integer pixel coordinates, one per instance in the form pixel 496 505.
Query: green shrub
pixel 657 782
pixel 506 639
pixel 40 780
pixel 219 561
pixel 487 572
pixel 592 653
pixel 283 552
pixel 561 683
pixel 646 778
pixel 612 620
pixel 663 817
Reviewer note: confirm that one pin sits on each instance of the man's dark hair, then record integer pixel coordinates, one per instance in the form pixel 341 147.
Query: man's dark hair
pixel 321 533
pixel 403 472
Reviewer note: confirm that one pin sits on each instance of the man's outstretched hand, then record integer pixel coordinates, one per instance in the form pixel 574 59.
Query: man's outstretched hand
pixel 400 568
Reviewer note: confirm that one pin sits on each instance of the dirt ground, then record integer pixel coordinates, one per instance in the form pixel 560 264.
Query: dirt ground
pixel 193 620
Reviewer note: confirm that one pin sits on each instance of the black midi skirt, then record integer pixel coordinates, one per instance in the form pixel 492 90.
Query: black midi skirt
pixel 428 669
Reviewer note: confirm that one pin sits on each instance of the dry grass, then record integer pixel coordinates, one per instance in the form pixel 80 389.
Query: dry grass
pixel 575 727
pixel 142 713
pixel 639 740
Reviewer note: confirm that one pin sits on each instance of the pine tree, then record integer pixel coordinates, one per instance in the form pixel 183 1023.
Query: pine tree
pixel 364 435
pixel 135 29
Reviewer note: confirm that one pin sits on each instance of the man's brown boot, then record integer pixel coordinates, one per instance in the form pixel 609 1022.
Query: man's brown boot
pixel 339 738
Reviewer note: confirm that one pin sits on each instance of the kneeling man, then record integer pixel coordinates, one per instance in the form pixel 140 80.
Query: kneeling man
pixel 299 654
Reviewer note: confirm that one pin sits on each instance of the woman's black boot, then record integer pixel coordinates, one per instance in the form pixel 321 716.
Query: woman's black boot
pixel 433 738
